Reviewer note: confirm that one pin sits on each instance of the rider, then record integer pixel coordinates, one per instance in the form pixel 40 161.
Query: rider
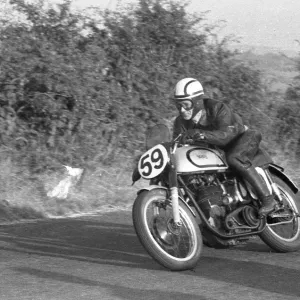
pixel 204 119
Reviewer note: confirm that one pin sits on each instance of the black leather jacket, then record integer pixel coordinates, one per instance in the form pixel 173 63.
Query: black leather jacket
pixel 221 127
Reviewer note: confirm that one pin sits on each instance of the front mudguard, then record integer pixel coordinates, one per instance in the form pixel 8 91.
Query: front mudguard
pixel 152 187
pixel 165 191
pixel 135 175
pixel 278 171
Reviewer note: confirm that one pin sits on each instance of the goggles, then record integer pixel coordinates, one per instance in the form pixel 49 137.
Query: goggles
pixel 186 104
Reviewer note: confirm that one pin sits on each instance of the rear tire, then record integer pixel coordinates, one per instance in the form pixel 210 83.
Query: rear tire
pixel 176 249
pixel 286 237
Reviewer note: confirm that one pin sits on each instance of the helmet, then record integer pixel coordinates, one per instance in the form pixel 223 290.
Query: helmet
pixel 187 88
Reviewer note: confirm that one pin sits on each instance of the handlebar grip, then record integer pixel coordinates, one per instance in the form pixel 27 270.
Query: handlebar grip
pixel 189 141
pixel 196 143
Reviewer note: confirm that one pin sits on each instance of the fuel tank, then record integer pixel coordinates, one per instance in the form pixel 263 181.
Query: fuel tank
pixel 195 159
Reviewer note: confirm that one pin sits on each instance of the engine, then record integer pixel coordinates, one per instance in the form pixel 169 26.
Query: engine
pixel 224 201
pixel 215 193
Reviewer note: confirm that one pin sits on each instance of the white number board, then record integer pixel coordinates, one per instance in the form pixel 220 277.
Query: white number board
pixel 153 162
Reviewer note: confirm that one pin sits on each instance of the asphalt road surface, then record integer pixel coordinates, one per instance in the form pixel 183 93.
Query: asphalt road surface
pixel 100 257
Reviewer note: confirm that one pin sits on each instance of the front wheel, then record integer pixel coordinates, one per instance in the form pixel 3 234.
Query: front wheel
pixel 284 237
pixel 176 248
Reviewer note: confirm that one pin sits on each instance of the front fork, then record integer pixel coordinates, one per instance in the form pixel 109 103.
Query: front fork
pixel 175 206
pixel 174 189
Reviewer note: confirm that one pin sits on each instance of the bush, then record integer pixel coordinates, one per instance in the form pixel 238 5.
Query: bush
pixel 79 90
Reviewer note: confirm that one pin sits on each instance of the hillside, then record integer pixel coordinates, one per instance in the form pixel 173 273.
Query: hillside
pixel 278 68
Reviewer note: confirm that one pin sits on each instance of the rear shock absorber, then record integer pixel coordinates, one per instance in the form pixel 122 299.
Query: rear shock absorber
pixel 274 186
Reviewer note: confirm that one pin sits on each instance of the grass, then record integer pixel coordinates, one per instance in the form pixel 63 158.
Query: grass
pixel 291 166
pixel 24 196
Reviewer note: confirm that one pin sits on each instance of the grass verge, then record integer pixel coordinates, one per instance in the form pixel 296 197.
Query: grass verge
pixel 24 196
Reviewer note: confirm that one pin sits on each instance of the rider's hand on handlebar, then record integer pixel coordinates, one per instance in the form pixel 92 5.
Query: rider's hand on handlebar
pixel 192 135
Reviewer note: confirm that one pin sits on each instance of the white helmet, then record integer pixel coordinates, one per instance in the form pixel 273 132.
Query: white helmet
pixel 187 88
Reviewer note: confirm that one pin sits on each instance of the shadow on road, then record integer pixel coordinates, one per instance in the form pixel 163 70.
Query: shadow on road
pixel 256 275
pixel 79 239
pixel 111 240
pixel 121 292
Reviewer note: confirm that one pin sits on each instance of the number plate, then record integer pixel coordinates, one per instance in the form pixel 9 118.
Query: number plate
pixel 153 162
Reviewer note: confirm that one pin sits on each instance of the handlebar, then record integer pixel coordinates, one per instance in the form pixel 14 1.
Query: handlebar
pixel 188 142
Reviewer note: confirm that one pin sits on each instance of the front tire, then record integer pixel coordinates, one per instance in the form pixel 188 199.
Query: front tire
pixel 286 237
pixel 176 249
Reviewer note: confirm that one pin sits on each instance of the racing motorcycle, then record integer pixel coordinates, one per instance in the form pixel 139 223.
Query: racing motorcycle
pixel 195 198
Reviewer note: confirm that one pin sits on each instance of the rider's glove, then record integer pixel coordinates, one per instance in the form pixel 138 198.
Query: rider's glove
pixel 192 134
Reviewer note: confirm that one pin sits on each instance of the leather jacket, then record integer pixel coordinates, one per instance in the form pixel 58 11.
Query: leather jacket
pixel 219 126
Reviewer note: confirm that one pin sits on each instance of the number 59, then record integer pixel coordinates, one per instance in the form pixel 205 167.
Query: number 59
pixel 153 162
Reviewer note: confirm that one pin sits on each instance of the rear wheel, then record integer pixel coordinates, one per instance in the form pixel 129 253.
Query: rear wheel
pixel 284 237
pixel 176 248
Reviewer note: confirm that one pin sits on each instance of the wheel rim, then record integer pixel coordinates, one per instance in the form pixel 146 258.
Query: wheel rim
pixel 178 244
pixel 287 232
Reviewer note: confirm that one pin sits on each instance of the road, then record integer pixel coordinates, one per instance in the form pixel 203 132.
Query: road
pixel 100 257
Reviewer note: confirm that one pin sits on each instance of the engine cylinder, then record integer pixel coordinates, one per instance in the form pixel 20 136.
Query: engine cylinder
pixel 209 196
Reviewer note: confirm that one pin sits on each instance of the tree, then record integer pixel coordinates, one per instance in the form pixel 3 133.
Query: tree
pixel 288 119
pixel 83 89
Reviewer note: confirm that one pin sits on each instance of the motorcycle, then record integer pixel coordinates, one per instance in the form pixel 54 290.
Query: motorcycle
pixel 195 198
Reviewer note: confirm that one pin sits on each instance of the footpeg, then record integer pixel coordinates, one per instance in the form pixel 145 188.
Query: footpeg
pixel 284 215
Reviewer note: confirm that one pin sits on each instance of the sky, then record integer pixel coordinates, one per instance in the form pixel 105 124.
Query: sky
pixel 268 23
pixel 259 23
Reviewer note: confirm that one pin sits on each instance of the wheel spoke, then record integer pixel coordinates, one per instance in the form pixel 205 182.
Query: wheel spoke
pixel 286 230
pixel 177 242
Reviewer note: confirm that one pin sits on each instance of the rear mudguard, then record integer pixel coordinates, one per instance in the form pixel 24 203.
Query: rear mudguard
pixel 165 190
pixel 278 171
pixel 263 159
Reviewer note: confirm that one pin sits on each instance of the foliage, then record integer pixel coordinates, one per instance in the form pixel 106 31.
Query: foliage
pixel 75 89
pixel 82 90
pixel 51 84
pixel 288 119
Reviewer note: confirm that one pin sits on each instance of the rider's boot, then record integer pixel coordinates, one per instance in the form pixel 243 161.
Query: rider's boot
pixel 268 205
pixel 262 190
